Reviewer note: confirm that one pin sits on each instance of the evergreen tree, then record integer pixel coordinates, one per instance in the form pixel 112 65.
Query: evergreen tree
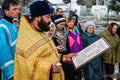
pixel 114 6
pixel 80 2
pixel 88 3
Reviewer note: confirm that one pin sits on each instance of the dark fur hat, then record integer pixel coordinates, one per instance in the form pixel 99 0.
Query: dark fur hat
pixel 39 8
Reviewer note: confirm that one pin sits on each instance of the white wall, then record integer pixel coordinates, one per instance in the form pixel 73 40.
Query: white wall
pixel 56 1
pixel 99 11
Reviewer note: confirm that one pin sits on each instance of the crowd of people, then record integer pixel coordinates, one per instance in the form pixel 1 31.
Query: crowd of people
pixel 41 45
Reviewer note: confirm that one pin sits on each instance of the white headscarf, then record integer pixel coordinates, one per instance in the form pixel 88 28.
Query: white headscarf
pixel 88 23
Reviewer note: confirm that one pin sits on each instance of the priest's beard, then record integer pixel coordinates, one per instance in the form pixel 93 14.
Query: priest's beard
pixel 44 26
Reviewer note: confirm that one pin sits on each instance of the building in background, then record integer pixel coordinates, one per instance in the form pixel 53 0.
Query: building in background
pixel 99 11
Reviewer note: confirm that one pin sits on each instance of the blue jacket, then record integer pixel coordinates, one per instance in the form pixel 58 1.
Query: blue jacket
pixel 93 69
pixel 8 36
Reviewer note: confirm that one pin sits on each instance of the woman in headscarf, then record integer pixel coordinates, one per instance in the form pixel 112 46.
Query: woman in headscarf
pixel 112 56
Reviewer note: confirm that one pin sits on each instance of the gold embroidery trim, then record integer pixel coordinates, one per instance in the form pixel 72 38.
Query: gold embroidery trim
pixel 37 61
pixel 27 53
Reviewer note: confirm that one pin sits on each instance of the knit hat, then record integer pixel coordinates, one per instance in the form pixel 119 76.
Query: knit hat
pixel 73 14
pixel 39 8
pixel 88 23
pixel 58 19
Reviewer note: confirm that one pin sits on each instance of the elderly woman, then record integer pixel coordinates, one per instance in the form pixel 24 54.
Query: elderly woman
pixel 93 69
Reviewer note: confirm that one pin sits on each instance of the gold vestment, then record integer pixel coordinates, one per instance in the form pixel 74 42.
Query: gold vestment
pixel 35 53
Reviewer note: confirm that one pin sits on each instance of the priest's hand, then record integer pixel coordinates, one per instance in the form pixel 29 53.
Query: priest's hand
pixel 56 68
pixel 68 57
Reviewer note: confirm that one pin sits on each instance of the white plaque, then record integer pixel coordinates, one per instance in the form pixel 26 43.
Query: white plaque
pixel 90 52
